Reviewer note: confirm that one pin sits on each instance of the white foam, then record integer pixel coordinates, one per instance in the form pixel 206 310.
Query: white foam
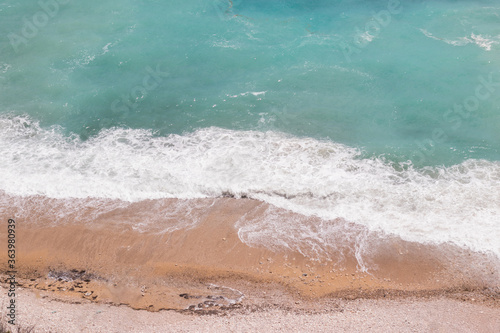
pixel 313 237
pixel 105 48
pixel 483 42
pixel 160 216
pixel 458 204
pixel 479 40
pixel 4 68
pixel 254 93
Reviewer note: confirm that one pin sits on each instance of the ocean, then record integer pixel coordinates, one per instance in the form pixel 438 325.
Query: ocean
pixel 383 113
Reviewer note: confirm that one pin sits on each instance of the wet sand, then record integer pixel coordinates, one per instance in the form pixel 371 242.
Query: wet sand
pixel 118 256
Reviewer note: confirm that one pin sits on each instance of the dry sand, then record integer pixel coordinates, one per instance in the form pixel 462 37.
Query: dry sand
pixel 76 271
pixel 403 315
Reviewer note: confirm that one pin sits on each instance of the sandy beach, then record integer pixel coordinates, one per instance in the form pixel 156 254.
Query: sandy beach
pixel 250 166
pixel 111 262
pixel 439 314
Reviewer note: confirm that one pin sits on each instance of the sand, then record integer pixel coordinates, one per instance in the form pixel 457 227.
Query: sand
pixel 404 315
pixel 129 266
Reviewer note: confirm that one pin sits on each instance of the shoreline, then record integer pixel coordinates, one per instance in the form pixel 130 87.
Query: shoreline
pixel 205 268
pixel 111 252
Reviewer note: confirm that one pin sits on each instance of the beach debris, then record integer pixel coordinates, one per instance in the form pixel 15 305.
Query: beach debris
pixel 71 275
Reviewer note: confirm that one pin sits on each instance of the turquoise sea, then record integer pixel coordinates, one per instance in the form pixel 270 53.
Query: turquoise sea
pixel 383 112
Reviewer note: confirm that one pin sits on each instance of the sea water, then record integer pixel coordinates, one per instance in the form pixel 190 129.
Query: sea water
pixel 384 113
